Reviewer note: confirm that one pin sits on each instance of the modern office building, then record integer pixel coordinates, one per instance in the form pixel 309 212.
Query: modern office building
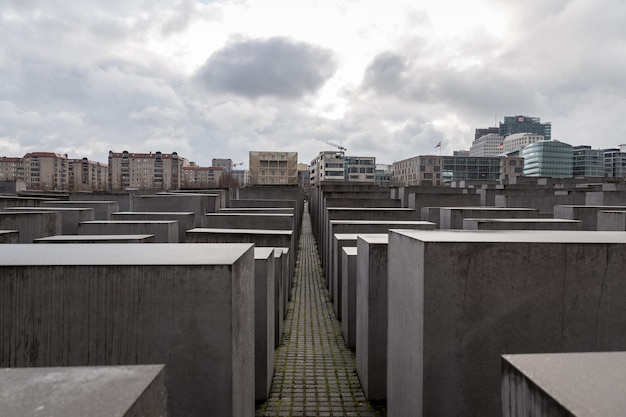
pixel 45 171
pixel 615 162
pixel 548 158
pixel 518 141
pixel 360 169
pixel 241 176
pixel 327 166
pixel 525 124
pixel 145 171
pixel 418 170
pixel 470 169
pixel 490 144
pixel 588 162
pixel 270 167
pixel 86 175
pixel 486 131
pixel 384 174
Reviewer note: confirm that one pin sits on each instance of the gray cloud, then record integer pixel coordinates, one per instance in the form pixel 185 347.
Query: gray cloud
pixel 277 67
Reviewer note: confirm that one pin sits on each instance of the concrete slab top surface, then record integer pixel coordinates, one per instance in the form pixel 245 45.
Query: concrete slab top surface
pixel 23 212
pixel 521 236
pixel 79 202
pixel 394 209
pixel 93 237
pixel 524 220
pixel 47 209
pixel 590 206
pixel 8 231
pixel 586 384
pixel 375 238
pixel 262 252
pixel 241 231
pixel 112 254
pixel 128 221
pixel 390 222
pixel 350 250
pixel 155 213
pixel 73 391
pixel 230 214
pixel 614 211
pixel 346 236
pixel 489 208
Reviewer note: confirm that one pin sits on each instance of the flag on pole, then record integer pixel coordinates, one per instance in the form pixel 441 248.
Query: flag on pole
pixel 438 145
pixel 500 146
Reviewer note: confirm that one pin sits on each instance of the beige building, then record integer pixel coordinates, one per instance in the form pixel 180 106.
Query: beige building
pixel 145 171
pixel 517 141
pixel 418 170
pixel 86 175
pixel 327 166
pixel 11 169
pixel 360 169
pixel 195 177
pixel 268 167
pixel 45 171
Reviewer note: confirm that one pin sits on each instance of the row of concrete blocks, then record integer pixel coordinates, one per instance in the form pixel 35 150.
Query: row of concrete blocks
pixel 435 310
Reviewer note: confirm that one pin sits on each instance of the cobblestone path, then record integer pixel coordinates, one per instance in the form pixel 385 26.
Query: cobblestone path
pixel 314 373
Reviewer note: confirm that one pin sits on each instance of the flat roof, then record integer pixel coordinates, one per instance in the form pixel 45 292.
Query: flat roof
pixel 512 236
pixel 240 231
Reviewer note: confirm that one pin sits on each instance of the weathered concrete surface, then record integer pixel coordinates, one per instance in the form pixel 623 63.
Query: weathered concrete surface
pixel 18 201
pixel 199 204
pixel 264 264
pixel 348 294
pixel 460 299
pixel 9 236
pixel 70 216
pixel 339 241
pixel 371 315
pixel 612 220
pixel 123 198
pixel 543 202
pixel 164 231
pixel 190 307
pixel 124 391
pixel 606 198
pixel 522 224
pixel 279 295
pixel 564 385
pixel 248 221
pixel 452 217
pixel 587 214
pixel 31 224
pixel 102 209
pixel 97 239
pixel 186 220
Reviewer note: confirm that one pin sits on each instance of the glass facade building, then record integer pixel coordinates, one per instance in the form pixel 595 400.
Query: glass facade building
pixel 548 158
pixel 588 162
pixel 525 124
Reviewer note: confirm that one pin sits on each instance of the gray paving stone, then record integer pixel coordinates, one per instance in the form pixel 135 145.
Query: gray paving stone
pixel 315 373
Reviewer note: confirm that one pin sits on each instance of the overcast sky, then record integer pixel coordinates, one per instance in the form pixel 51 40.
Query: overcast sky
pixel 391 79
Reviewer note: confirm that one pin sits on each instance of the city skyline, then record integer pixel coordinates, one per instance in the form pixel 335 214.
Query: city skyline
pixel 215 79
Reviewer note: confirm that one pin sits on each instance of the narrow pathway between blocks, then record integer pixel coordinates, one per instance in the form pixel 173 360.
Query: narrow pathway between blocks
pixel 314 371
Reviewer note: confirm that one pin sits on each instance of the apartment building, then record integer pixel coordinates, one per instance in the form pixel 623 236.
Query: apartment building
pixel 196 177
pixel 327 166
pixel 86 175
pixel 270 167
pixel 418 170
pixel 45 171
pixel 145 171
pixel 11 169
pixel 360 169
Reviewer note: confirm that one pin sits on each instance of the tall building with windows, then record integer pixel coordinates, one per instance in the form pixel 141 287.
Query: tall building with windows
pixel 45 171
pixel 86 175
pixel 384 174
pixel 327 166
pixel 11 169
pixel 271 167
pixel 588 162
pixel 197 177
pixel 418 170
pixel 227 164
pixel 525 124
pixel 615 162
pixel 517 141
pixel 490 144
pixel 145 171
pixel 360 169
pixel 548 158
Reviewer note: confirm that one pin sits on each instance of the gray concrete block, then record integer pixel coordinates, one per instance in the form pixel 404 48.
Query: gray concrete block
pixel 248 221
pixel 348 295
pixel 452 217
pixel 123 198
pixel 190 307
pixel 371 315
pixel 186 220
pixel 339 241
pixel 97 239
pixel 102 209
pixel 164 231
pixel 522 224
pixel 9 236
pixel 279 295
pixel 124 391
pixel 31 224
pixel 19 201
pixel 460 299
pixel 612 220
pixel 70 216
pixel 587 214
pixel 564 384
pixel 199 204
pixel 264 271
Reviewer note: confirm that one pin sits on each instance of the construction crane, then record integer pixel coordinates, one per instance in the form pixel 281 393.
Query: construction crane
pixel 341 148
pixel 238 163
